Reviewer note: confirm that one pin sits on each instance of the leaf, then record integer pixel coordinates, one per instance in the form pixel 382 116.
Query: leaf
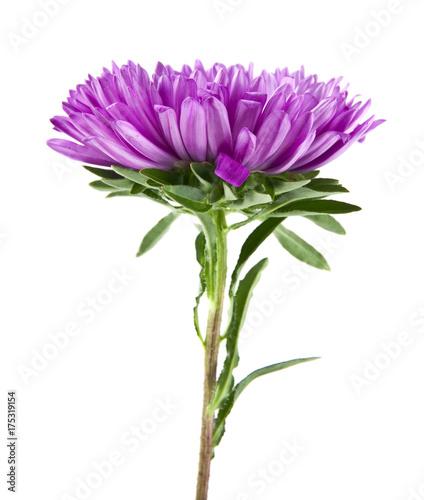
pixel 300 249
pixel 252 243
pixel 323 181
pixel 205 175
pixel 329 189
pixel 201 259
pixel 124 184
pixel 163 177
pixel 249 199
pixel 156 233
pixel 217 193
pixel 117 193
pixel 327 222
pixel 219 425
pixel 242 298
pixel 189 197
pixel 315 207
pixel 132 175
pixel 310 175
pixel 289 197
pixel 101 186
pixel 283 186
pixel 105 173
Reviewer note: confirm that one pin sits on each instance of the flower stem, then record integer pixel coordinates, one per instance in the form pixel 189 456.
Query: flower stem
pixel 217 257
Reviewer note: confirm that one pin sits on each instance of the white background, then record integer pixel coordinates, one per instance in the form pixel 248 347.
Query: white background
pixel 61 242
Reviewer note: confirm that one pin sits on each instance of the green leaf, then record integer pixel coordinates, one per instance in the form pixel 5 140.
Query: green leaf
pixel 118 193
pixel 228 192
pixel 217 193
pixel 327 222
pixel 101 186
pixel 156 233
pixel 204 174
pixel 124 184
pixel 329 189
pixel 289 197
pixel 189 197
pixel 163 177
pixel 281 186
pixel 201 259
pixel 219 425
pixel 249 199
pixel 132 175
pixel 323 181
pixel 310 175
pixel 105 173
pixel 300 249
pixel 242 298
pixel 252 243
pixel 315 207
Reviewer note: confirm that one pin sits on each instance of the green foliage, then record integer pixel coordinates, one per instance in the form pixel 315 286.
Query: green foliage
pixel 242 298
pixel 300 249
pixel 156 233
pixel 227 406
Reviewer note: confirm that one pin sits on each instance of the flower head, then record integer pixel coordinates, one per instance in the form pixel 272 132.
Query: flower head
pixel 240 123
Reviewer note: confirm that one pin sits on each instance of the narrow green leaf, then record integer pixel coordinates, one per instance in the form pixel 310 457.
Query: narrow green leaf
pixel 101 186
pixel 163 177
pixel 204 174
pixel 132 175
pixel 242 298
pixel 105 173
pixel 201 259
pixel 252 243
pixel 327 222
pixel 156 233
pixel 124 184
pixel 323 181
pixel 310 175
pixel 300 249
pixel 189 197
pixel 118 193
pixel 217 193
pixel 329 189
pixel 229 192
pixel 250 199
pixel 137 189
pixel 219 425
pixel 315 207
pixel 289 197
pixel 281 186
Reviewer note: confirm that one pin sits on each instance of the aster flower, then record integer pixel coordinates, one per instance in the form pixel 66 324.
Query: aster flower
pixel 209 143
pixel 271 123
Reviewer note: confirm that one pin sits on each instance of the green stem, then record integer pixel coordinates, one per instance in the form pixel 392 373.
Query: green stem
pixel 215 228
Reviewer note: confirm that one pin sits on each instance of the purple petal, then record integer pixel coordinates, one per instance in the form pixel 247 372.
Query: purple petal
pixel 231 171
pixel 121 154
pixel 270 136
pixel 64 124
pixel 218 127
pixel 193 129
pixel 298 133
pixel 78 152
pixel 245 146
pixel 247 114
pixel 168 120
pixel 141 144
pixel 320 145
pixel 336 150
pixel 165 90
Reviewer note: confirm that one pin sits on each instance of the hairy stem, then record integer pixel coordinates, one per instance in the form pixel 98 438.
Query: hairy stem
pixel 217 255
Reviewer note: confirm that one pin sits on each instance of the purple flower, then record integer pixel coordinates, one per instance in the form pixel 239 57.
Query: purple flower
pixel 240 123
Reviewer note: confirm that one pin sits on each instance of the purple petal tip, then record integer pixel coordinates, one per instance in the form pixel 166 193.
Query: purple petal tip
pixel 231 171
